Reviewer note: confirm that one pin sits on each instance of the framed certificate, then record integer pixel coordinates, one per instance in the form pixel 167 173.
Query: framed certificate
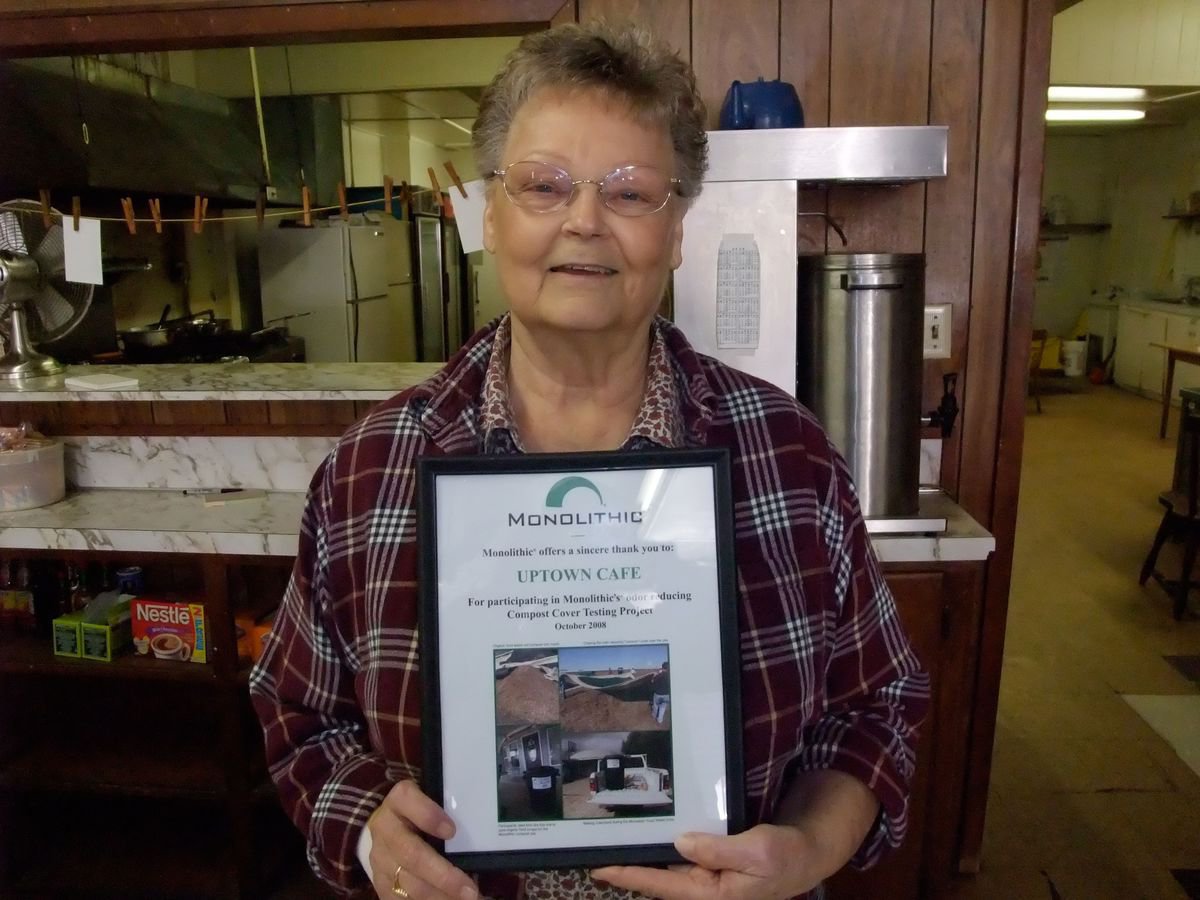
pixel 579 655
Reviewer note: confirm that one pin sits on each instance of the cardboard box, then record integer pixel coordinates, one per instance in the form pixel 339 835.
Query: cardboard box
pixel 68 638
pixel 169 629
pixel 107 633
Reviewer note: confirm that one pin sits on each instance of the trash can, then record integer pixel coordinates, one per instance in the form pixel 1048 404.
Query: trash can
pixel 1074 354
pixel 542 782
pixel 860 324
pixel 614 773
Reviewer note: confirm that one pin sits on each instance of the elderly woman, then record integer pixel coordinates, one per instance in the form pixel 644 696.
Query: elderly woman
pixel 594 140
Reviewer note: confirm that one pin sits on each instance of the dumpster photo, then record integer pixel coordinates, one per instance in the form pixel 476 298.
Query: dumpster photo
pixel 529 773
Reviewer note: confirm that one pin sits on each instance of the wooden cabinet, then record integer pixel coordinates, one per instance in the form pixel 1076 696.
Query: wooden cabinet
pixel 937 606
pixel 97 757
pixel 1139 366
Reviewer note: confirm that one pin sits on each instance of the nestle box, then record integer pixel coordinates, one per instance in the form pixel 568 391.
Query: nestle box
pixel 68 639
pixel 169 629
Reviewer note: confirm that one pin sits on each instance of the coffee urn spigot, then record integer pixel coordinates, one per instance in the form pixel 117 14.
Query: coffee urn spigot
pixel 943 417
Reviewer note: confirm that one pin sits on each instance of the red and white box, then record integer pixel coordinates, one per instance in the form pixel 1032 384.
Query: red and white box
pixel 168 629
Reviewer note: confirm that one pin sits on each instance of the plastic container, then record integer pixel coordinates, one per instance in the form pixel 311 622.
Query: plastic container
pixel 32 476
pixel 1074 355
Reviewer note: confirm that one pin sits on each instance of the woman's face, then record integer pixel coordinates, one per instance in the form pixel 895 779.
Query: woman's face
pixel 537 254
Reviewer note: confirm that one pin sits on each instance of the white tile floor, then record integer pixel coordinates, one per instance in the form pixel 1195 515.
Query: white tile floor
pixel 1176 719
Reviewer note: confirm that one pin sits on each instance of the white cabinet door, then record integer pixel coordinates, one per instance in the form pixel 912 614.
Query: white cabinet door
pixel 1154 359
pixel 1184 331
pixel 1127 363
pixel 1138 366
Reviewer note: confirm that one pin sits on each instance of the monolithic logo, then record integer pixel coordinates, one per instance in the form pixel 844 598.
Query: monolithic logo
pixel 556 497
pixel 564 486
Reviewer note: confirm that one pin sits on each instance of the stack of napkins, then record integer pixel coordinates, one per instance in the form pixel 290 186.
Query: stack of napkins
pixel 100 382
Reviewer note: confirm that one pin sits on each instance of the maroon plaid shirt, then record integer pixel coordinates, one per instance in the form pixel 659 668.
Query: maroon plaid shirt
pixel 828 677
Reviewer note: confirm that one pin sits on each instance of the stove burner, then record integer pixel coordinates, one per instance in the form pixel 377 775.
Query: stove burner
pixel 273 345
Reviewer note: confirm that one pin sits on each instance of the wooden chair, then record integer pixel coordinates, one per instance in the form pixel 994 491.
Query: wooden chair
pixel 1037 351
pixel 1181 521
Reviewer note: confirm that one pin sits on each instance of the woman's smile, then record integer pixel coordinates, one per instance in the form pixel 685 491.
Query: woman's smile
pixel 584 273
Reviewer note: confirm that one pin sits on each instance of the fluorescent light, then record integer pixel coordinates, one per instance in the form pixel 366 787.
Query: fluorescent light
pixel 1094 115
pixel 1080 94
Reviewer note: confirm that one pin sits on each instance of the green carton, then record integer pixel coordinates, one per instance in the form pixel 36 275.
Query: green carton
pixel 68 638
pixel 105 630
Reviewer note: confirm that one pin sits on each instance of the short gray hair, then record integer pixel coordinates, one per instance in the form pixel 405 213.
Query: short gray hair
pixel 625 62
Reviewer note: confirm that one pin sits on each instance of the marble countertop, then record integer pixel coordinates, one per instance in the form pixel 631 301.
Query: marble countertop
pixel 174 522
pixel 158 522
pixel 964 539
pixel 235 381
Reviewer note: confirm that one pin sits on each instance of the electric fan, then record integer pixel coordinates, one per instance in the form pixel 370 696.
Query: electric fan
pixel 41 304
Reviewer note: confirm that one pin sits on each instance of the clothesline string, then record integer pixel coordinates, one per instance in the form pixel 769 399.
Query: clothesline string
pixel 191 219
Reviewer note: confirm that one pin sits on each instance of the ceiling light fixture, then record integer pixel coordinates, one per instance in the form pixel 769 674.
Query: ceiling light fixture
pixel 1082 94
pixel 1094 115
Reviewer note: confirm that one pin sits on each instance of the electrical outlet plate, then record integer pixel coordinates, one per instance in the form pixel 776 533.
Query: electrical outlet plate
pixel 937 332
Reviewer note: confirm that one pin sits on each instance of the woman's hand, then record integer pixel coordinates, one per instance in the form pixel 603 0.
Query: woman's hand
pixel 768 862
pixel 396 830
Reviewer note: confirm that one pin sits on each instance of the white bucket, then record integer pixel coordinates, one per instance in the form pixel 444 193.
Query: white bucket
pixel 1074 354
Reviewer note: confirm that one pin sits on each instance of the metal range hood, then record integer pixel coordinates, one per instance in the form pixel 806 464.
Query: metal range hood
pixel 143 134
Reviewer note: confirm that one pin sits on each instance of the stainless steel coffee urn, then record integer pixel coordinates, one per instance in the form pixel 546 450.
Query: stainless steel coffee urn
pixel 859 368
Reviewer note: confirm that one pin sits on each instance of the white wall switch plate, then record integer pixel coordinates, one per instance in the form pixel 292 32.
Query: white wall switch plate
pixel 937 332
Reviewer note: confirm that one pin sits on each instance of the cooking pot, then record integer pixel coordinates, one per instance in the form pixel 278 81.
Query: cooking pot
pixel 166 332
pixel 146 336
pixel 206 324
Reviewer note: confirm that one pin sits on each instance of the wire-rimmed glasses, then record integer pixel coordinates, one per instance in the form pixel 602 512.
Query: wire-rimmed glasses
pixel 628 191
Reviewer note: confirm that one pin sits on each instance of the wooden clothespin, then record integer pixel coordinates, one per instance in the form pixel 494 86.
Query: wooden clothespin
pixel 405 193
pixel 75 206
pixel 44 194
pixel 342 201
pixel 307 199
pixel 454 177
pixel 437 188
pixel 199 211
pixel 156 214
pixel 388 184
pixel 127 208
pixel 260 207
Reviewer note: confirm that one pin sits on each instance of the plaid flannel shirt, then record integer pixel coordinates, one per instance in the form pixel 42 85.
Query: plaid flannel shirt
pixel 829 680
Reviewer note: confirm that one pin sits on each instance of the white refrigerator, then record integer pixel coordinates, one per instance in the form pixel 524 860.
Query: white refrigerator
pixel 349 287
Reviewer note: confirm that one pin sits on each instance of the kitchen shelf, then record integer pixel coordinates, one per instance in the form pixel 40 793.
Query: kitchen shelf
pixel 859 155
pixel 1076 228
pixel 1049 233
pixel 32 655
pixel 149 521
pixel 47 768
pixel 136 849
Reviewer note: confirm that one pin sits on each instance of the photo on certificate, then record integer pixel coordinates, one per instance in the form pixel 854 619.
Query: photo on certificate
pixel 578 616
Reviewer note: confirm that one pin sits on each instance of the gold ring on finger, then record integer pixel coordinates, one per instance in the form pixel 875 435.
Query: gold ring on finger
pixel 397 888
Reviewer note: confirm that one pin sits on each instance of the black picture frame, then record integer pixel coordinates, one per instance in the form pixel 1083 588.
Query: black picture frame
pixel 429 469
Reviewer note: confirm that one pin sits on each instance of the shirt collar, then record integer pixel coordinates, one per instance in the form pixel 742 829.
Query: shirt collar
pixel 659 419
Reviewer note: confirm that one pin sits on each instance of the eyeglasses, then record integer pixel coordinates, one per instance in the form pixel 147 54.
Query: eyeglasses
pixel 628 191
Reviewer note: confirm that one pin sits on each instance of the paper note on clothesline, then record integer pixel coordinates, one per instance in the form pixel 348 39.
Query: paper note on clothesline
pixel 468 212
pixel 82 251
